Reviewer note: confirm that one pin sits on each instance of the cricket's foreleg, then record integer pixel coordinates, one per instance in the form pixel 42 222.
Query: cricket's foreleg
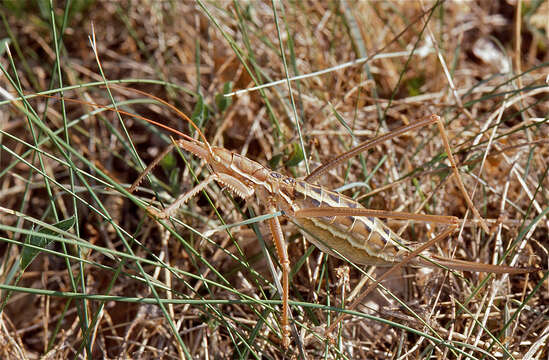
pixel 282 252
pixel 151 166
pixel 183 198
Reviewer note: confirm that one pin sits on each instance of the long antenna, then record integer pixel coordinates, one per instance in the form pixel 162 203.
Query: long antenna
pixel 173 108
pixel 82 102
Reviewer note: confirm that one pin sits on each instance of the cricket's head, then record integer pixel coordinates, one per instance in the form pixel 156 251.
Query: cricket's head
pixel 238 173
pixel 230 169
pixel 219 159
pixel 201 150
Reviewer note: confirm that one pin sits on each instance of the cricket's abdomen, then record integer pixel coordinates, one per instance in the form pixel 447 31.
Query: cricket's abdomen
pixel 360 239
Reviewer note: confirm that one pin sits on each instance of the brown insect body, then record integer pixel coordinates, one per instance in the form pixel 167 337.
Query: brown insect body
pixel 364 240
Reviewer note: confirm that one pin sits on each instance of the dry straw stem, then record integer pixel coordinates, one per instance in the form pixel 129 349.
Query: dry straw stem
pixel 118 285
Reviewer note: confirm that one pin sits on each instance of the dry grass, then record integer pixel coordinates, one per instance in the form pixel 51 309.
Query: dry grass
pixel 163 291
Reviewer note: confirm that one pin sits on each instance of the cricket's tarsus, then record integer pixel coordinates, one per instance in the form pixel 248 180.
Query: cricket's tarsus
pixel 336 224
